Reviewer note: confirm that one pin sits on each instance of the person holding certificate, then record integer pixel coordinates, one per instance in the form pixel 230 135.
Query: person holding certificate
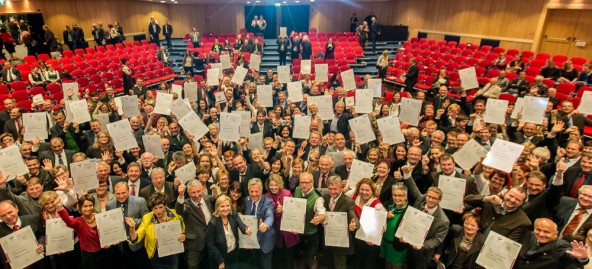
pixel 222 235
pixel 391 249
pixel 315 215
pixel 262 207
pixel 384 181
pixel 462 246
pixel 336 201
pixel 160 214
pixel 366 194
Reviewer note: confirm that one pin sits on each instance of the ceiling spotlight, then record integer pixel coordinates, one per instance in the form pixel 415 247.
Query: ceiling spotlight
pixel 312 0
pixel 257 1
pixel 296 1
pixel 248 2
pixel 162 1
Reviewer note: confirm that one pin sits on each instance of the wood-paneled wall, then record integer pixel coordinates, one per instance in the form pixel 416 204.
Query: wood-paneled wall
pixel 334 16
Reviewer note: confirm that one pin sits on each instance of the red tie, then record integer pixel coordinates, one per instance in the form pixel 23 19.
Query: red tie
pixel 425 210
pixel 573 224
pixel 576 186
pixel 16 227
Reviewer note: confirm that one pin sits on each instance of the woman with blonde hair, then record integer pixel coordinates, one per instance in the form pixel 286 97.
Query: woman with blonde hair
pixel 382 64
pixel 103 144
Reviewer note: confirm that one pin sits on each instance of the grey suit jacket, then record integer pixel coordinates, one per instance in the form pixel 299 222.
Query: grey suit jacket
pixel 26 205
pixel 136 209
pixel 343 204
pixel 195 224
pixel 265 213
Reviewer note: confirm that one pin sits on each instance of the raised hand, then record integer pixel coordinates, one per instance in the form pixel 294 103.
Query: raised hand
pixel 352 225
pixel 579 250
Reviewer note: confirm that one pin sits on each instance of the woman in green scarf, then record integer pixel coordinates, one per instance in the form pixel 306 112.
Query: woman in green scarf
pixel 393 251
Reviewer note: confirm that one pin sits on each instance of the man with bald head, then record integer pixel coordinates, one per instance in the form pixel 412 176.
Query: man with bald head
pixel 542 248
pixel 14 125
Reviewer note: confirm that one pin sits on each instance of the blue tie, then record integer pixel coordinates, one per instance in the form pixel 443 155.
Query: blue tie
pixel 60 161
pixel 253 208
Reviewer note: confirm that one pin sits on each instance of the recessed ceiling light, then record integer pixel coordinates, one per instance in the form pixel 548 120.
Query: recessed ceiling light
pixel 312 0
pixel 162 1
pixel 248 2
pixel 296 1
pixel 257 1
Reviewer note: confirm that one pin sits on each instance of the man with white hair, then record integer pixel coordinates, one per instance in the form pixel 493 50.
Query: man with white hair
pixel 306 48
pixel 324 172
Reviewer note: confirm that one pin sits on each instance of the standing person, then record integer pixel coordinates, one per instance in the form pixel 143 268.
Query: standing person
pixel 315 215
pixel 13 29
pixel 353 22
pixel 411 76
pixel 463 244
pixel 113 35
pixel 295 48
pixel 78 36
pixel 154 31
pixel 306 48
pixel 374 33
pixel 222 235
pixel 132 256
pixel 128 80
pixel 262 207
pixel 194 37
pixel 167 31
pixel 336 201
pixel 160 214
pixel 330 49
pixel 98 34
pixel 11 221
pixel 362 34
pixel 382 64
pixel 30 43
pixel 196 212
pixel 69 38
pixel 283 48
pixel 8 42
pixel 119 29
pixel 391 249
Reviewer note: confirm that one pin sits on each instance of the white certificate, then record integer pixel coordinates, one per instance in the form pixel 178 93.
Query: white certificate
pixel 517 107
pixel 79 110
pixel 239 75
pixel 103 118
pixel 70 86
pixel 410 110
pixel 58 237
pixel 336 229
pixel 84 175
pixel 305 66
pixel 129 105
pixel 283 31
pixel 468 78
pixel 498 252
pixel 111 227
pixel 322 72
pixel 495 111
pixel 122 135
pixel 163 101
pixel 218 66
pixel 220 97
pixel 153 145
pixel 230 126
pixel 213 75
pixel 453 192
pixel 585 106
pixel 190 90
pixel 376 85
pixel 11 162
pixel 502 155
pixel 301 127
pixel 372 223
pixel 358 171
pixel 294 215
pixel 255 141
pixel 390 129
pixel 249 241
pixel 193 125
pixel 414 227
pixel 349 80
pixel 362 129
pixel 283 73
pixel 325 105
pixel 38 99
pixel 20 248
pixel 295 92
pixel 176 88
pixel 167 236
pixel 265 95
pixel 468 155
pixel 179 108
pixel 245 122
pixel 186 172
pixel 35 126
pixel 337 159
pixel 255 62
pixel 364 100
pixel 533 109
pixel 117 101
pixel 225 61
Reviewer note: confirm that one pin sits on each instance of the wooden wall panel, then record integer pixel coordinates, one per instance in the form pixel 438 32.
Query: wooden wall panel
pixel 334 16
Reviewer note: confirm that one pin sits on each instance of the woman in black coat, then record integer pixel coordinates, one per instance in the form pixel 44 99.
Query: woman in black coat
pixel 462 245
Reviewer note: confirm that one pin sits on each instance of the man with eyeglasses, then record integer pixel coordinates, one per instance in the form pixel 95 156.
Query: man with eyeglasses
pixel 315 215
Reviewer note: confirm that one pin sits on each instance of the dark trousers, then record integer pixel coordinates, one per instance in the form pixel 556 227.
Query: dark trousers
pixel 194 258
pixel 155 39
pixel 367 256
pixel 96 260
pixel 283 58
pixel 188 69
pixel 71 45
pixel 283 257
pixel 168 40
pixel 230 262
pixel 128 259
pixel 260 259
pixel 168 262
pixel 419 259
pixel 195 44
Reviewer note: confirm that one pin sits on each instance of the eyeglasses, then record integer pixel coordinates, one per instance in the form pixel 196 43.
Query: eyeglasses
pixel 305 182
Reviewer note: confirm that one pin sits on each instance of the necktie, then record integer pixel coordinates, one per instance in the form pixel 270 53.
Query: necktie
pixel 425 210
pixel 16 227
pixel 201 210
pixel 322 181
pixel 573 192
pixel 19 125
pixel 133 189
pixel 242 178
pixel 60 160
pixel 573 224
pixel 253 209
pixel 332 204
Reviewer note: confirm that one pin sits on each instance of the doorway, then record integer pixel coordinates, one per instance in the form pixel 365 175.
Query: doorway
pixel 567 32
pixel 269 15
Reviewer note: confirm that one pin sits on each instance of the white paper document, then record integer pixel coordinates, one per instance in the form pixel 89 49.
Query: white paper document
pixel 325 105
pixel 103 118
pixel 176 88
pixel 305 67
pixel 245 122
pixel 111 228
pixel 533 110
pixel 372 223
pixel 225 61
pixel 38 99
pixel 364 100
pixel 35 126
pixel 517 107
pixel 186 172
pixel 468 78
pixel 212 77
pixel 336 229
pixel 11 162
pixel 218 66
pixel 84 175
pixel 230 126
pixel 414 226
pixel 350 101
pixel 129 105
pixel 249 241
pixel 585 106
pixel 301 127
pixel 20 248
pixel 349 80
pixel 470 154
pixel 117 101
pixel 167 235
pixel 255 61
pixel 153 145
pixel 283 73
pixel 283 31
pixel 362 129
pixel 410 110
pixel 190 91
pixel 390 129
pixel 502 155
pixel 58 237
pixel 239 75
pixel 179 108
pixel 496 111
pixel 220 97
pixel 163 101
pixel 122 135
pixel 255 141
pixel 79 110
pixel 322 72
pixel 453 192
pixel 70 87
pixel 294 215
pixel 192 124
pixel 359 170
pixel 295 92
pixel 376 85
pixel 498 252
pixel 265 95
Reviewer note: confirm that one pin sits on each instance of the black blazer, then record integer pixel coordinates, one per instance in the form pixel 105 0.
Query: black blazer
pixel 562 212
pixel 253 171
pixel 341 171
pixel 316 175
pixel 343 204
pixel 216 239
pixel 550 255
pixel 386 194
pixel 167 30
pixel 342 125
pixel 267 129
pixel 11 127
pixel 15 72
pixel 571 175
pixel 411 76
pixel 35 222
pixel 450 247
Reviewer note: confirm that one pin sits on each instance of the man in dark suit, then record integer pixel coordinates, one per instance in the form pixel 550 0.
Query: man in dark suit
pixel 321 176
pixel 159 185
pixel 420 256
pixel 57 154
pixel 540 200
pixel 50 41
pixel 336 201
pixel 528 134
pixel 314 142
pixel 35 171
pixel 154 31
pixel 196 212
pixel 262 125
pixel 11 222
pixel 262 207
pixel 167 31
pixel 283 48
pixel 504 217
pixel 78 36
pixel 104 175
pixel 14 125
pixel 243 172
pixel 98 34
pixel 344 170
pixel 414 160
pixel 177 139
pixel 62 127
pixel 213 117
pixel 576 176
pixel 134 180
pixel 544 249
pixel 306 48
pixel 340 123
pixel 572 117
pixel 442 99
pixel 374 33
pixel 130 255
pixel 69 38
pixel 162 56
pixel 90 136
pixel 411 76
pixel 9 73
pixel 9 104
pixel 518 85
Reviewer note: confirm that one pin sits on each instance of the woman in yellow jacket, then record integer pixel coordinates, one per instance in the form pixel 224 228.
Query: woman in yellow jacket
pixel 147 230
